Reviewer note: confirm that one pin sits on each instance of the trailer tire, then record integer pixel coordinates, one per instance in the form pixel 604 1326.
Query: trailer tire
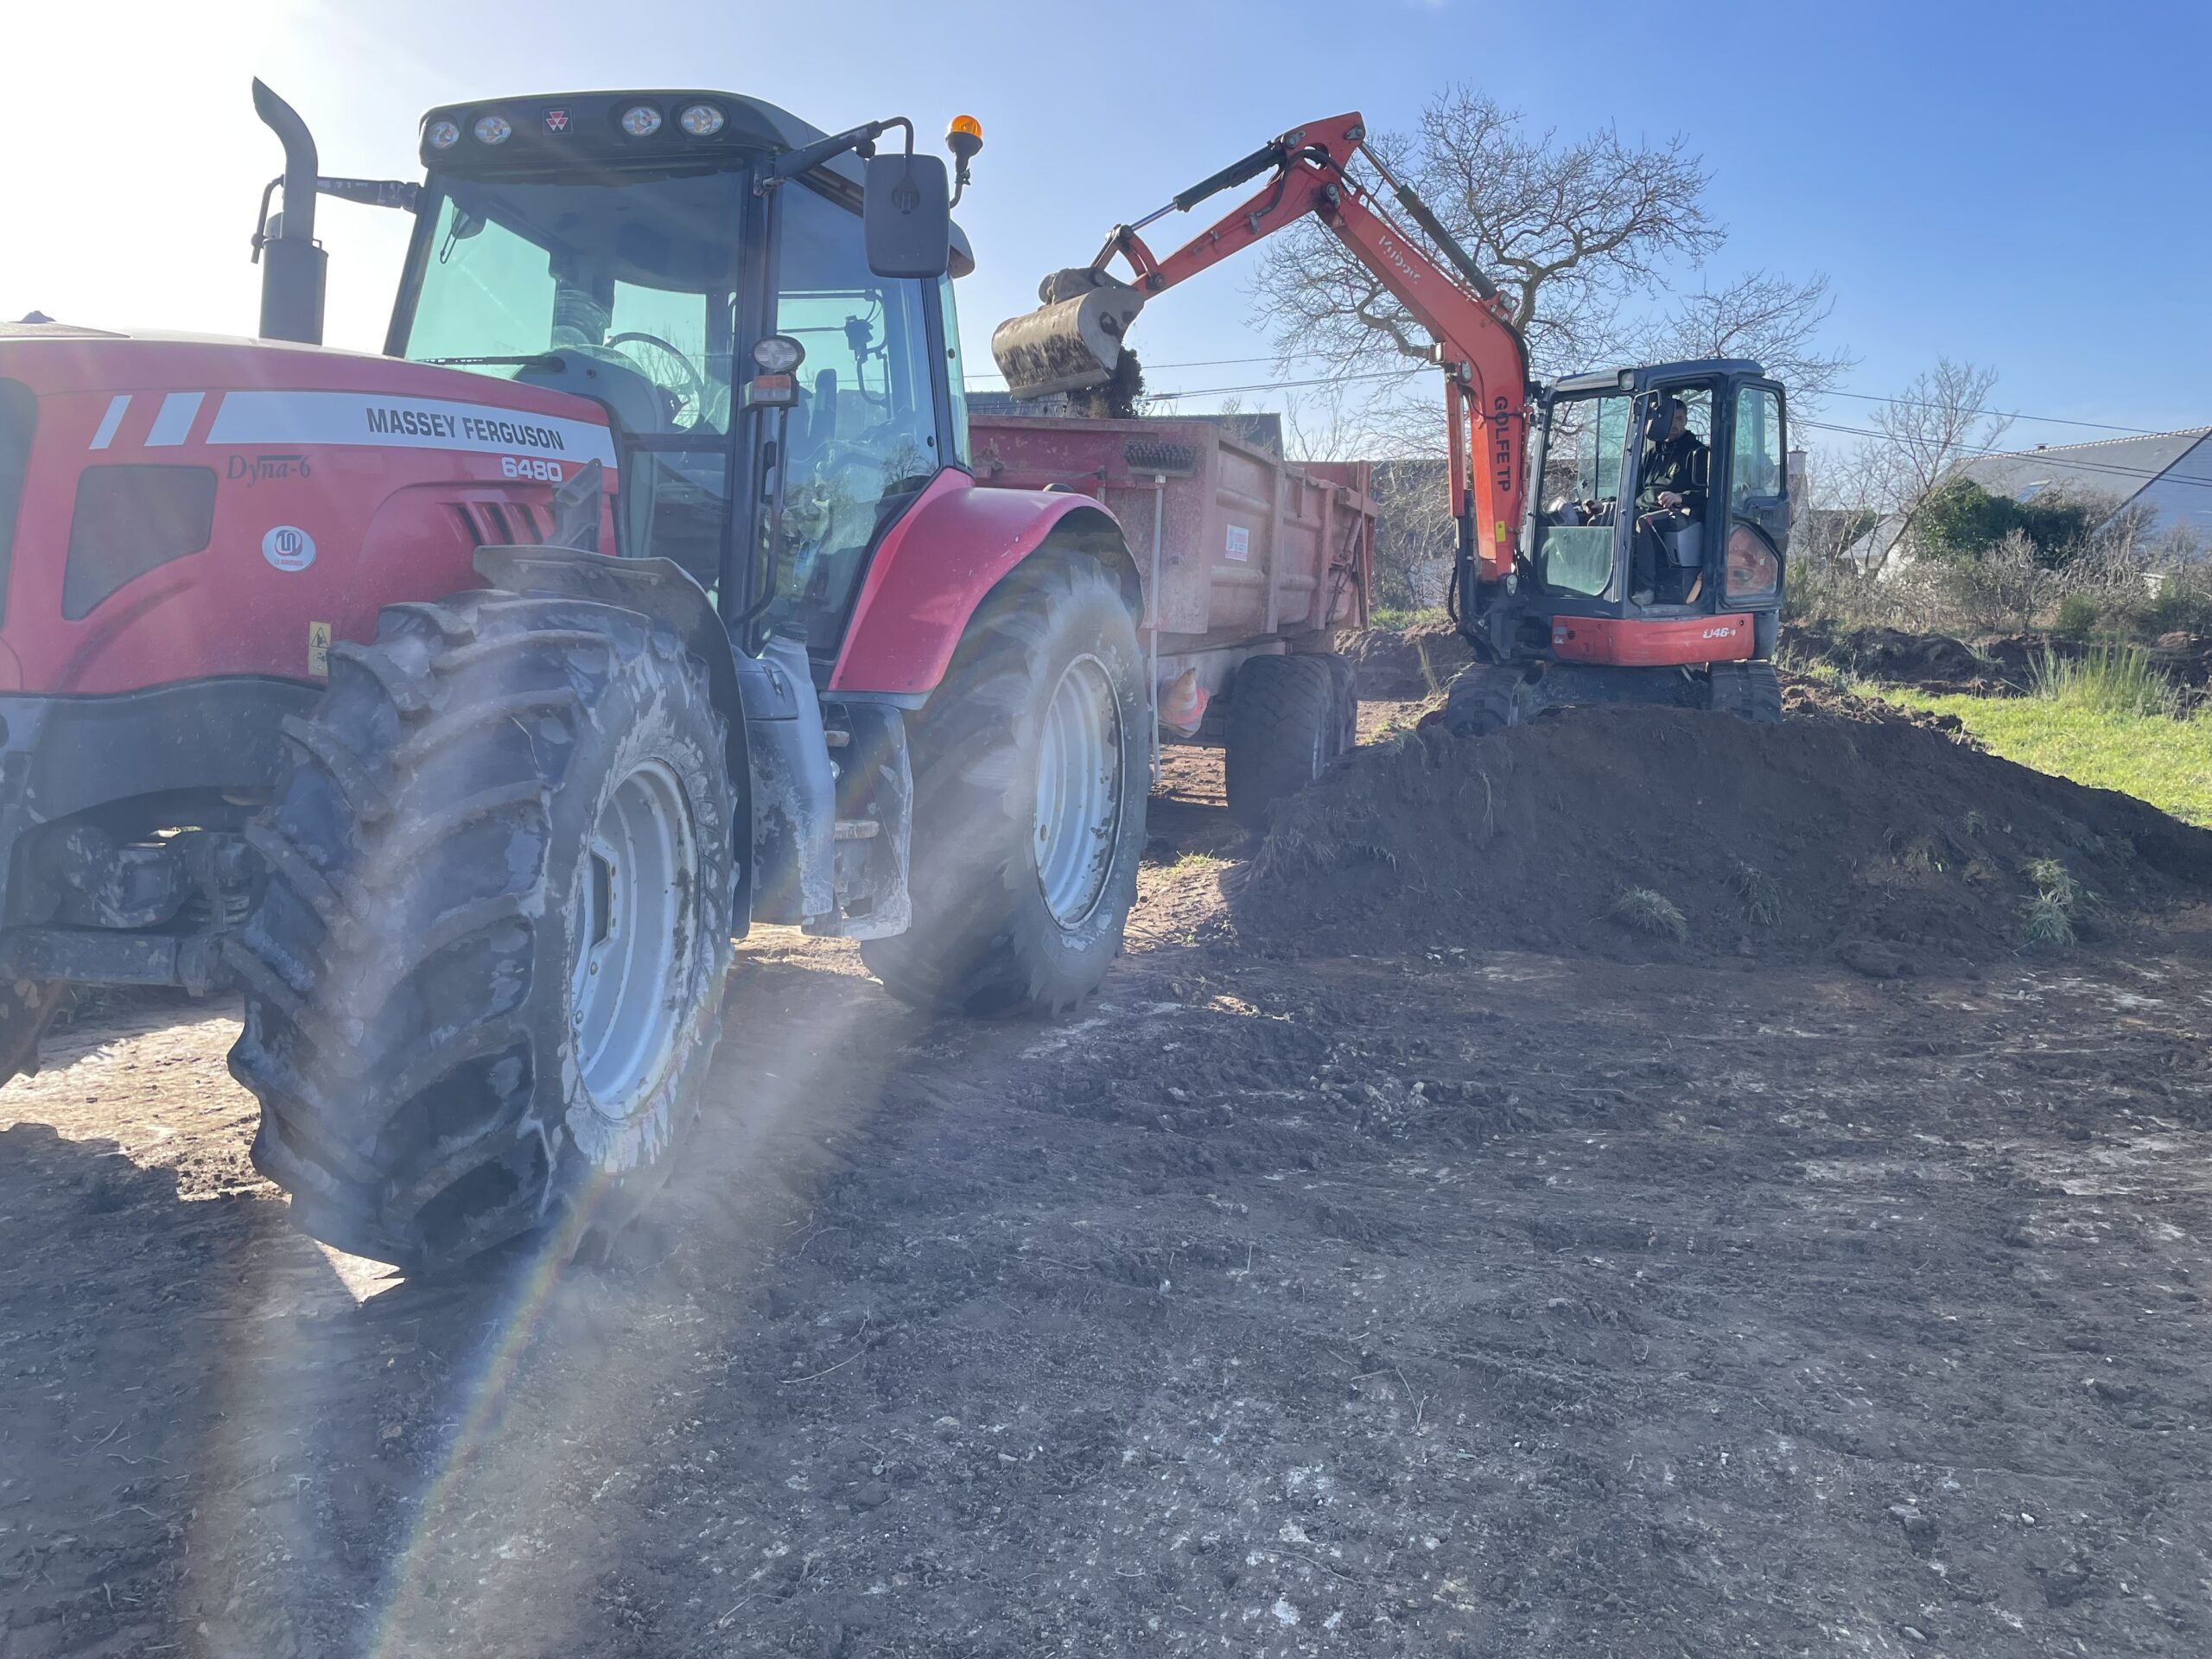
pixel 1031 771
pixel 1285 724
pixel 1747 690
pixel 483 965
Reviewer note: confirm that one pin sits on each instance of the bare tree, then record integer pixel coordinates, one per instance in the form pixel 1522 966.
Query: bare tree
pixel 1774 320
pixel 1940 419
pixel 1580 235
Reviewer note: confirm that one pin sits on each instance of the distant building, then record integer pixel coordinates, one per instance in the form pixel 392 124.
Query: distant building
pixel 2169 473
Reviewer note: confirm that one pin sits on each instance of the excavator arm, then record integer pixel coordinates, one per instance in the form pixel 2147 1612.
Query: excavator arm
pixel 1075 340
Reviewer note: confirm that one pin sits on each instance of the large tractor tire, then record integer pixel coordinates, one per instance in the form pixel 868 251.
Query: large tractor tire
pixel 484 970
pixel 1285 723
pixel 1030 773
pixel 1747 690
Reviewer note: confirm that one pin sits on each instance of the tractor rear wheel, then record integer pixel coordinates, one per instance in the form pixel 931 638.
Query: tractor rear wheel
pixel 1285 723
pixel 1747 690
pixel 484 969
pixel 1030 777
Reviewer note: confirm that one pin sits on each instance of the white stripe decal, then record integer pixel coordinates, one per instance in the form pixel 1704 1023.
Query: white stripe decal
pixel 287 418
pixel 109 421
pixel 175 420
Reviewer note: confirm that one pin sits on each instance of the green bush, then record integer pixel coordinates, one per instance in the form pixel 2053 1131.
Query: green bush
pixel 1962 522
pixel 2078 617
pixel 2182 605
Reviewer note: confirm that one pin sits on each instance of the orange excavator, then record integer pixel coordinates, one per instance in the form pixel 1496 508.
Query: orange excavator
pixel 1654 574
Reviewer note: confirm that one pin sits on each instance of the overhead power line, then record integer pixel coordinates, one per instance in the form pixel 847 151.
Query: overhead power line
pixel 1412 369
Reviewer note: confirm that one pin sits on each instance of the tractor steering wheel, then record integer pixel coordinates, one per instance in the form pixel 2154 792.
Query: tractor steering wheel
pixel 695 389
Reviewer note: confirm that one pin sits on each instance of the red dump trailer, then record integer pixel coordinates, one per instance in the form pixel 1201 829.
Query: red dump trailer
pixel 1249 563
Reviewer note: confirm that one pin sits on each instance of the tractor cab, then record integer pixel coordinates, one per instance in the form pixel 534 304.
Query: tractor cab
pixel 639 249
pixel 1661 511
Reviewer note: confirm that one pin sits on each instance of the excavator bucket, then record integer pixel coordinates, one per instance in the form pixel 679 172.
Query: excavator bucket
pixel 1070 343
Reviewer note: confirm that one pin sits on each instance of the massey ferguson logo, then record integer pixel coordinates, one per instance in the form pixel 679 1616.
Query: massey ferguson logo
pixel 556 120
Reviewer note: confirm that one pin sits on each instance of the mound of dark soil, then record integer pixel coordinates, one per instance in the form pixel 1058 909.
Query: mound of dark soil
pixel 1881 839
pixel 1387 663
pixel 2004 666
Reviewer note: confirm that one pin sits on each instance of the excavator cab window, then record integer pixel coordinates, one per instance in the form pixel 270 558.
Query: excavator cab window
pixel 1584 453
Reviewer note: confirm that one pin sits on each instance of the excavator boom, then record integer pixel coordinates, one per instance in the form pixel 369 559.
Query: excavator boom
pixel 1075 340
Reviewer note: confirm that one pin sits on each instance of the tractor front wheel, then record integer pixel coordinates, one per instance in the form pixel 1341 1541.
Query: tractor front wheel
pixel 484 972
pixel 1030 778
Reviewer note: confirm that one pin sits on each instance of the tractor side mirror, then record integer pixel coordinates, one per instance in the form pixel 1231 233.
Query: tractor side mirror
pixel 907 216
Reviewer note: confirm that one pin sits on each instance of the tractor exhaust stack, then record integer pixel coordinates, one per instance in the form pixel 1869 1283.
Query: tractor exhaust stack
pixel 1073 341
pixel 293 267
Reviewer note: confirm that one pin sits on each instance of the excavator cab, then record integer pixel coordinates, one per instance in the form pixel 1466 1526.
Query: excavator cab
pixel 1661 523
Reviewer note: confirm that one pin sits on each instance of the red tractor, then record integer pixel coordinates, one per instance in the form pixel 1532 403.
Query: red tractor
pixel 463 702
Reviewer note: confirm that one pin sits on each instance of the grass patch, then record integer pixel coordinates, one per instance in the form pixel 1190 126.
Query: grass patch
pixel 2056 899
pixel 2110 680
pixel 2080 734
pixel 1650 913
pixel 1396 621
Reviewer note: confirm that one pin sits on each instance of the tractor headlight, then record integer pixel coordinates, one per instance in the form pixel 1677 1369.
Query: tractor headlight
pixel 444 135
pixel 1753 570
pixel 700 120
pixel 641 120
pixel 494 130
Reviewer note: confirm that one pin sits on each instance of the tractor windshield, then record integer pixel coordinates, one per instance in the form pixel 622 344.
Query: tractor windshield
pixel 639 272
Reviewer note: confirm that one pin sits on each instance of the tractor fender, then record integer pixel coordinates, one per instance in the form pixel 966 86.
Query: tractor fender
pixel 934 566
pixel 667 593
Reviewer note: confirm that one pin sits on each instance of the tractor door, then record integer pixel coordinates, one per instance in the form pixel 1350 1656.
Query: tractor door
pixel 875 422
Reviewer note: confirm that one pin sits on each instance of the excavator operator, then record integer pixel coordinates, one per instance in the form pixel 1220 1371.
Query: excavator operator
pixel 1670 492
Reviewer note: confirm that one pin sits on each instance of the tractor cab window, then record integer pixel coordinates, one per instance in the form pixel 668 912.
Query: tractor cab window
pixel 863 440
pixel 1583 454
pixel 636 274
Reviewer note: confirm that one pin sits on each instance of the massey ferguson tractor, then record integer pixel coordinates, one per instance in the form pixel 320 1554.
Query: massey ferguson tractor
pixel 463 702
pixel 1622 535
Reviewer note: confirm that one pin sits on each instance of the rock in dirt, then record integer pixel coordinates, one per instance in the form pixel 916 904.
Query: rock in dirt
pixel 1883 832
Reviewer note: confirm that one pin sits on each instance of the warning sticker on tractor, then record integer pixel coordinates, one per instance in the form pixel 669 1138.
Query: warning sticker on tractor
pixel 290 418
pixel 1240 543
pixel 319 649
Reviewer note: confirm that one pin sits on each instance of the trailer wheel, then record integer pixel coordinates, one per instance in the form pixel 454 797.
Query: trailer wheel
pixel 484 967
pixel 1030 777
pixel 1747 690
pixel 1285 724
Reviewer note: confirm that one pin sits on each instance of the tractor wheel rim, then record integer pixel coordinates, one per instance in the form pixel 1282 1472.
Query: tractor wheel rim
pixel 636 885
pixel 1078 791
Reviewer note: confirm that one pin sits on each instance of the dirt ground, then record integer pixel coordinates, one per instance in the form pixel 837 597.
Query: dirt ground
pixel 1388 1298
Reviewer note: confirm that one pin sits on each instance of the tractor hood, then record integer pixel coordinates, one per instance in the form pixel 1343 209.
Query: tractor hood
pixel 174 508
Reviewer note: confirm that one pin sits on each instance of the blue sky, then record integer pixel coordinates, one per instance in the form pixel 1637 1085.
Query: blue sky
pixel 2023 185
